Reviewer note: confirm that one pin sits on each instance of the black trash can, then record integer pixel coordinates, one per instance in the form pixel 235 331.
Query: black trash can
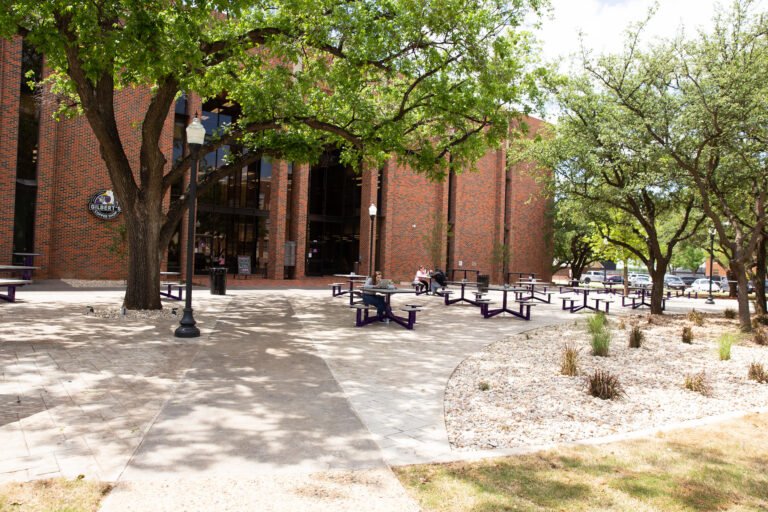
pixel 218 280
pixel 482 283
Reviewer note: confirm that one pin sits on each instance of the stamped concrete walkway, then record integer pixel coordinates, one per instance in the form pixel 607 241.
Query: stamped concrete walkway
pixel 281 405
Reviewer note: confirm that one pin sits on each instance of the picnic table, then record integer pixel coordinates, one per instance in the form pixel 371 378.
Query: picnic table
pixel 461 298
pixel 464 270
pixel 529 285
pixel 520 275
pixel 637 299
pixel 352 278
pixel 29 258
pixel 411 309
pixel 170 286
pixel 10 284
pixel 584 292
pixel 523 312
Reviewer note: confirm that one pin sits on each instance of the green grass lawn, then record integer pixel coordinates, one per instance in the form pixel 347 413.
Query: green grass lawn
pixel 719 467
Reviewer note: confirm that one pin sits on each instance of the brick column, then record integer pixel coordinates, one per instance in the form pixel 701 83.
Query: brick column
pixel 278 214
pixel 299 216
pixel 10 82
pixel 368 195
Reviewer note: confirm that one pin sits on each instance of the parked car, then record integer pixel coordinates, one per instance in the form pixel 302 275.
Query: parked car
pixel 702 285
pixel 633 278
pixel 593 275
pixel 615 279
pixel 674 282
pixel 642 281
pixel 725 286
pixel 688 280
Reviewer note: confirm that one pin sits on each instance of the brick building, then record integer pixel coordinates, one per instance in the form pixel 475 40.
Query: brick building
pixel 288 220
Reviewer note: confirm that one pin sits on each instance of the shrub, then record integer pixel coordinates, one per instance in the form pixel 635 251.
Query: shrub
pixel 622 325
pixel 569 362
pixel 724 344
pixel 636 337
pixel 596 323
pixel 729 313
pixel 601 336
pixel 758 373
pixel 483 386
pixel 602 384
pixel 759 320
pixel 687 335
pixel 696 318
pixel 760 337
pixel 698 382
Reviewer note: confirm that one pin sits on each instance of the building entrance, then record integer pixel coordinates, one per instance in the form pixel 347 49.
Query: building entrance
pixel 333 231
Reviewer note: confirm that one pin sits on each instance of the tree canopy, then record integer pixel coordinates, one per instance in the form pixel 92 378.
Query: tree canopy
pixel 414 80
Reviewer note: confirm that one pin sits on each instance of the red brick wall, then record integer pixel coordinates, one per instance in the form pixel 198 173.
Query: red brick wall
pixel 10 80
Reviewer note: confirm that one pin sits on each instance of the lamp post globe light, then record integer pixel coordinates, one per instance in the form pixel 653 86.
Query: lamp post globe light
pixel 710 300
pixel 372 212
pixel 195 140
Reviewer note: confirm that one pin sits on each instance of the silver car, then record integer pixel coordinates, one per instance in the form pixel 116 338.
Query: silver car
pixel 702 285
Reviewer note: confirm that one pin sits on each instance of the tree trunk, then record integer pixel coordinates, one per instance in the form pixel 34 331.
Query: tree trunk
pixel 144 257
pixel 762 249
pixel 657 289
pixel 739 270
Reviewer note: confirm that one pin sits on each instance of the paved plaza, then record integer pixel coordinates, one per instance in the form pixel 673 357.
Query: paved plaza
pixel 280 388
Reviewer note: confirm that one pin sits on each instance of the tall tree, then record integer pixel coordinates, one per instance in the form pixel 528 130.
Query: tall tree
pixel 420 80
pixel 703 103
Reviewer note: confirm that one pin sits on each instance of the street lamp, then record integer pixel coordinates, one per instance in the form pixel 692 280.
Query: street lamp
pixel 372 213
pixel 195 139
pixel 710 300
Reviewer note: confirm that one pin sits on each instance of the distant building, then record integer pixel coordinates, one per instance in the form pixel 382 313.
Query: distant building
pixel 287 220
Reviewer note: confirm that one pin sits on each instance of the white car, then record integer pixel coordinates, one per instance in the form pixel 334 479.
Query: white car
pixel 702 285
pixel 642 281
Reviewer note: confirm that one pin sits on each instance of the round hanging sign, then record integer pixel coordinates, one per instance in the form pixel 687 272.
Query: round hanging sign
pixel 103 204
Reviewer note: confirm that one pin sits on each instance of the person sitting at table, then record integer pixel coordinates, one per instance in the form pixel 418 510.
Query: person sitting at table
pixel 438 280
pixel 371 299
pixel 421 280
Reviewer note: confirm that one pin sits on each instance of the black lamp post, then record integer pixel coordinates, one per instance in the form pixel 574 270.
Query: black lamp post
pixel 195 139
pixel 710 300
pixel 372 213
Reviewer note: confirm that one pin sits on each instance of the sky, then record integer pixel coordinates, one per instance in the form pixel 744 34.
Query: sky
pixel 604 22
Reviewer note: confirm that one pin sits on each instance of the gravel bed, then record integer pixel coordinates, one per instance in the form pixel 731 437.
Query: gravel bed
pixel 528 402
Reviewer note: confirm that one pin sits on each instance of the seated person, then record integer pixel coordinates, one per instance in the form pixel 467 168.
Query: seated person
pixel 438 280
pixel 371 299
pixel 421 280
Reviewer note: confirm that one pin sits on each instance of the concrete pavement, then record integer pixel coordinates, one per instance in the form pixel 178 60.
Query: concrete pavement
pixel 281 395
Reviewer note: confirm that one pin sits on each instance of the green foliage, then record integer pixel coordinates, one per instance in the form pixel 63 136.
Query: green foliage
pixel 687 335
pixel 688 257
pixel 602 384
pixel 600 334
pixel 724 344
pixel 569 361
pixel 699 383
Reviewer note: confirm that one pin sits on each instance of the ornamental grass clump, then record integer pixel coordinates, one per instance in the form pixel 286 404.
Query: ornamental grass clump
pixel 601 336
pixel 696 318
pixel 729 313
pixel 757 373
pixel 698 382
pixel 760 338
pixel 604 385
pixel 569 362
pixel 636 337
pixel 724 344
pixel 687 335
pixel 759 320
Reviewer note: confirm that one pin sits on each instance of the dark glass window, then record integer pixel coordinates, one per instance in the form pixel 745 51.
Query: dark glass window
pixel 25 203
